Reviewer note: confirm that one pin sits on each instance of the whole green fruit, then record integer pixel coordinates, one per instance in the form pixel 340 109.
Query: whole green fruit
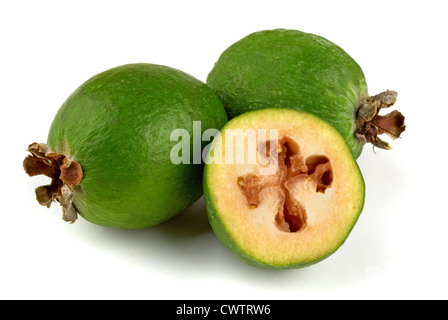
pixel 292 69
pixel 108 149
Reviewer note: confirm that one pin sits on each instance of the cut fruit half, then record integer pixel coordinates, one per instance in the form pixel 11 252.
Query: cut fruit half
pixel 298 199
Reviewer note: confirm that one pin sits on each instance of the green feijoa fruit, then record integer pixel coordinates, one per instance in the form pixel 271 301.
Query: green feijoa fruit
pixel 303 71
pixel 298 199
pixel 110 145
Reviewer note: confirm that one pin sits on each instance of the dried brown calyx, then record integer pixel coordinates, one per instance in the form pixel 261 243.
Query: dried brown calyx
pixel 65 175
pixel 293 168
pixel 370 124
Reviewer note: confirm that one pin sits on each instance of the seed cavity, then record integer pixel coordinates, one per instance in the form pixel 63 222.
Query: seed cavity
pixel 251 186
pixel 320 169
pixel 292 168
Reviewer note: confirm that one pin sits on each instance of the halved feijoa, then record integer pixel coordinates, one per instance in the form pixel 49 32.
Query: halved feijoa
pixel 282 188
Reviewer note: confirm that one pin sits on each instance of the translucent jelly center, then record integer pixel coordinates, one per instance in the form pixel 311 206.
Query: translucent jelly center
pixel 293 168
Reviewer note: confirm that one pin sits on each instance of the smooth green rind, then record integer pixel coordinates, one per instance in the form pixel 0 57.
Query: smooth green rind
pixel 291 69
pixel 117 126
pixel 225 237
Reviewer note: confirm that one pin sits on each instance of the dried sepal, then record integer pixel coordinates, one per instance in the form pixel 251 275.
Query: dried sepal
pixel 370 124
pixel 71 173
pixel 65 175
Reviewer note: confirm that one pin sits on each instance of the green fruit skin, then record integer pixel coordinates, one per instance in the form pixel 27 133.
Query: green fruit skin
pixel 222 234
pixel 291 69
pixel 117 125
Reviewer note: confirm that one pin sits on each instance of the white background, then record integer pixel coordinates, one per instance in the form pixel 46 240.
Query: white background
pixel 398 249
